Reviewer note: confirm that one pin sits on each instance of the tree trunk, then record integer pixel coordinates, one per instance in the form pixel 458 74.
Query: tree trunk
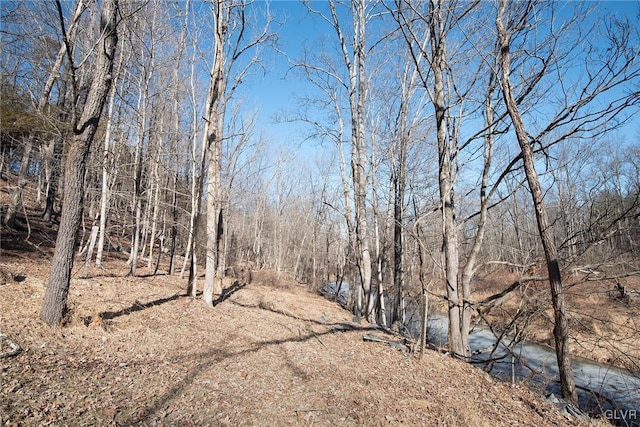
pixel 55 300
pixel 155 186
pixel 174 220
pixel 137 204
pixel 15 201
pixel 55 153
pixel 197 169
pixel 447 151
pixel 469 269
pixel 143 96
pixel 213 140
pixel 381 317
pixel 561 327
pixel 176 141
pixel 403 135
pixel 357 97
pixel 105 194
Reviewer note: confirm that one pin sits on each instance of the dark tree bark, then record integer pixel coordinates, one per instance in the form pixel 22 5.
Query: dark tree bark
pixel 561 327
pixel 52 189
pixel 55 300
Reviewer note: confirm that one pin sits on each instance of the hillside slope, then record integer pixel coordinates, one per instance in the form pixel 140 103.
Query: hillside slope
pixel 137 352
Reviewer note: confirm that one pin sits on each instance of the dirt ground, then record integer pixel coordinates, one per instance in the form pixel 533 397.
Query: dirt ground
pixel 136 351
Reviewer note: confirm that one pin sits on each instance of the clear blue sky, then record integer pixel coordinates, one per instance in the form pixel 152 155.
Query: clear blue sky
pixel 277 91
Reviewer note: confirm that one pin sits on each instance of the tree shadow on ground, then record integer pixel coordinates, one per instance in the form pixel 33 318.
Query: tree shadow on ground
pixel 137 306
pixel 145 415
pixel 338 326
pixel 227 292
pixel 147 275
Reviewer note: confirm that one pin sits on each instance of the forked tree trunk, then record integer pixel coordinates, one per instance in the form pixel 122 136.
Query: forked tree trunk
pixel 561 327
pixel 55 299
pixel 469 268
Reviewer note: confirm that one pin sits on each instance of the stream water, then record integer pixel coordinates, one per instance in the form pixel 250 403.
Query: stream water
pixel 603 390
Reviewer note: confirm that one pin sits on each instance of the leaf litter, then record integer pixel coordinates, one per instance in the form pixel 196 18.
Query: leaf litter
pixel 137 351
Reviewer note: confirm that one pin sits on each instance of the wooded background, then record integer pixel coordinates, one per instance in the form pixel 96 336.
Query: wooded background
pixel 449 140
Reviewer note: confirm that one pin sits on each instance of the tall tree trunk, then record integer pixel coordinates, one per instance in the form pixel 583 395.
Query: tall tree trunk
pixel 469 269
pixel 197 187
pixel 105 194
pixel 154 181
pixel 447 152
pixel 213 140
pixel 197 169
pixel 357 100
pixel 381 317
pixel 174 219
pixel 136 206
pixel 347 200
pixel 561 327
pixel 398 236
pixel 403 136
pixel 55 299
pixel 143 96
pixel 176 141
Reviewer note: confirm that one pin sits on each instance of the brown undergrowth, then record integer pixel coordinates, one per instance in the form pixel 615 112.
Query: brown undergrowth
pixel 136 351
pixel 603 327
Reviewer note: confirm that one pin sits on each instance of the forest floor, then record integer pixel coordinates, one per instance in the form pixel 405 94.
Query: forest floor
pixel 137 351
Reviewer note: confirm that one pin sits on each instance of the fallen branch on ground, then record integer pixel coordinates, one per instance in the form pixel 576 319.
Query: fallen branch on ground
pixel 394 344
pixel 15 348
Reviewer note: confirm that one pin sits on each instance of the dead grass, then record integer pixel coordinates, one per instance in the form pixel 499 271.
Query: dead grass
pixel 138 352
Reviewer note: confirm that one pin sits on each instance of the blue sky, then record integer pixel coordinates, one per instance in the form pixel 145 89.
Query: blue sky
pixel 277 91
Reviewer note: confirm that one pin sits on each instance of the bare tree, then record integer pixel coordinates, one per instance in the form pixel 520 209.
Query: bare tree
pixel 176 118
pixel 233 41
pixel 107 160
pixel 576 113
pixel 55 300
pixel 544 227
pixel 427 32
pixel 353 57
